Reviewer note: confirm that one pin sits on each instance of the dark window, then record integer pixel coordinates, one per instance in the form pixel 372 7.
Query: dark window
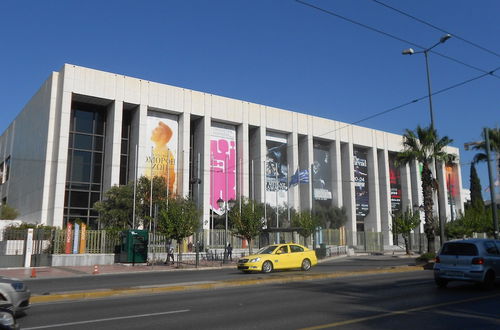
pixel 79 199
pixel 98 143
pixel 490 247
pixel 7 169
pixel 84 121
pixel 459 249
pixel 296 248
pixel 85 163
pixel 83 142
pixel 81 166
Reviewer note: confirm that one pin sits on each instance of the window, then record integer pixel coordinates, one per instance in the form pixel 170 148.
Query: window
pixel 85 163
pixel 6 169
pixel 284 249
pixel 1 173
pixel 460 249
pixel 490 247
pixel 296 248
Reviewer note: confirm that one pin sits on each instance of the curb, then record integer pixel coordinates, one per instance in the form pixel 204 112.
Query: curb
pixel 209 285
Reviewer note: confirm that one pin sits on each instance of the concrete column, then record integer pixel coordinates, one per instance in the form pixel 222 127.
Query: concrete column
pixel 385 196
pixel 406 192
pixel 138 137
pixel 459 199
pixel 243 161
pixel 183 157
pixel 112 149
pixel 62 160
pixel 417 196
pixel 349 201
pixel 372 220
pixel 443 193
pixel 336 171
pixel 293 165
pixel 202 141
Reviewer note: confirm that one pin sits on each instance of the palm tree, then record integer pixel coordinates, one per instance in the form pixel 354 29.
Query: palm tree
pixel 424 146
pixel 494 135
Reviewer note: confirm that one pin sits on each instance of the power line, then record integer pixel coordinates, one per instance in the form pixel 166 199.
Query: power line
pixel 329 12
pixel 437 28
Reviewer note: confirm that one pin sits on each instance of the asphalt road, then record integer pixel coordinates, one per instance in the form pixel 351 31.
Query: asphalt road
pixel 407 301
pixel 93 282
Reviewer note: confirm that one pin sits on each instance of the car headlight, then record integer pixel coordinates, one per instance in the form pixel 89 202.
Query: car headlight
pixel 18 286
pixel 6 319
pixel 254 259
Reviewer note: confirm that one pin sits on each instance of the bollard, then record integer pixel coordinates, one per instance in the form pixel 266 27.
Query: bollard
pixel 33 272
pixel 96 270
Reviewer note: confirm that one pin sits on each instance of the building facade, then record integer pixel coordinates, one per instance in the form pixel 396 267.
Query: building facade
pixel 87 130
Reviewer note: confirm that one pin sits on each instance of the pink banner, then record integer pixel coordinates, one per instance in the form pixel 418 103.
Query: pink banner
pixel 223 166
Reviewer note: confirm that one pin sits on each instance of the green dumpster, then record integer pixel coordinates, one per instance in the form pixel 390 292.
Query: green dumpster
pixel 134 246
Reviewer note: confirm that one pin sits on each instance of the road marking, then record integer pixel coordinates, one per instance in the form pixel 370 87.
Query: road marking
pixel 406 311
pixel 107 319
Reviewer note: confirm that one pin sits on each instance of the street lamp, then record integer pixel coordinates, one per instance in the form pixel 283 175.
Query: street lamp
pixel 222 205
pixel 410 51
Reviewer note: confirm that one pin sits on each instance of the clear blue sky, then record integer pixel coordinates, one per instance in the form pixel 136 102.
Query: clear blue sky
pixel 279 53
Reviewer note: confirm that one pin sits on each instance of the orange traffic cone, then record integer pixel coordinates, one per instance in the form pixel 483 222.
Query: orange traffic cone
pixel 96 270
pixel 33 272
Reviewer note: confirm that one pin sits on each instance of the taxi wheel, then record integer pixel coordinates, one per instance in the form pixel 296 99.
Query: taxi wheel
pixel 267 267
pixel 306 264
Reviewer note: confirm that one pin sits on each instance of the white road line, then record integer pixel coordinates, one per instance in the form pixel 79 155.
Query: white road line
pixel 107 319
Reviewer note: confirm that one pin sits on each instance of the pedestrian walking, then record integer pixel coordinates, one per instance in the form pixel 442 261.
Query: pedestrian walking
pixel 229 252
pixel 170 252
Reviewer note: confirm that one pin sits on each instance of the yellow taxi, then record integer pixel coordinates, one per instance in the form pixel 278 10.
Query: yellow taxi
pixel 278 256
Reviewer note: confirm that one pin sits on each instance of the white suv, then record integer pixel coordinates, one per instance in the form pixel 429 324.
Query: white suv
pixel 472 260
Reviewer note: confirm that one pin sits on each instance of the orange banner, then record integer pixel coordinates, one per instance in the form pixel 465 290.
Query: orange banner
pixel 83 238
pixel 68 238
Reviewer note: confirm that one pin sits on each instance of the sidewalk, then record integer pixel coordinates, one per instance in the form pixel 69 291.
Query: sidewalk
pixel 75 271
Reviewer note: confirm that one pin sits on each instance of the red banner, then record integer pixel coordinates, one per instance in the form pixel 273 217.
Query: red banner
pixel 68 238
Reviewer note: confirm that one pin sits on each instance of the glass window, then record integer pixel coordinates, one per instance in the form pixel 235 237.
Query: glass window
pixel 80 186
pixel 460 249
pixel 98 143
pixel 81 166
pixel 94 197
pixel 490 247
pixel 99 123
pixel 84 121
pixel 296 248
pixel 83 141
pixel 79 199
pixel 7 169
pixel 284 249
pixel 78 212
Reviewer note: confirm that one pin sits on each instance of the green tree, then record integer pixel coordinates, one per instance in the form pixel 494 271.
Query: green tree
pixel 473 221
pixel 247 224
pixel 476 196
pixel 494 135
pixel 8 213
pixel 178 218
pixel 424 146
pixel 329 216
pixel 116 209
pixel 143 195
pixel 403 223
pixel 306 223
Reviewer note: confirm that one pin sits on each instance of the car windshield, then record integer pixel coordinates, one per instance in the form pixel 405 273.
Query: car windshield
pixel 268 249
pixel 459 249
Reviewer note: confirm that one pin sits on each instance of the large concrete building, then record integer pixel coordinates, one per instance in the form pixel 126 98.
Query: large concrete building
pixel 87 130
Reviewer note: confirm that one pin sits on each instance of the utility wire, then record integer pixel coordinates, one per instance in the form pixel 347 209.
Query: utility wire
pixel 437 28
pixel 329 12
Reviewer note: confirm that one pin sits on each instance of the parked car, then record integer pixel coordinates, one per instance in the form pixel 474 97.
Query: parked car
pixel 7 317
pixel 471 260
pixel 278 256
pixel 14 292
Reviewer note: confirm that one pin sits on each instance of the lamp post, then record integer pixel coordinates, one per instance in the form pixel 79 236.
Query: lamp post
pixel 226 207
pixel 426 51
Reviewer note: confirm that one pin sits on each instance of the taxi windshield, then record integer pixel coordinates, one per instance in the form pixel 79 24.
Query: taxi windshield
pixel 268 249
